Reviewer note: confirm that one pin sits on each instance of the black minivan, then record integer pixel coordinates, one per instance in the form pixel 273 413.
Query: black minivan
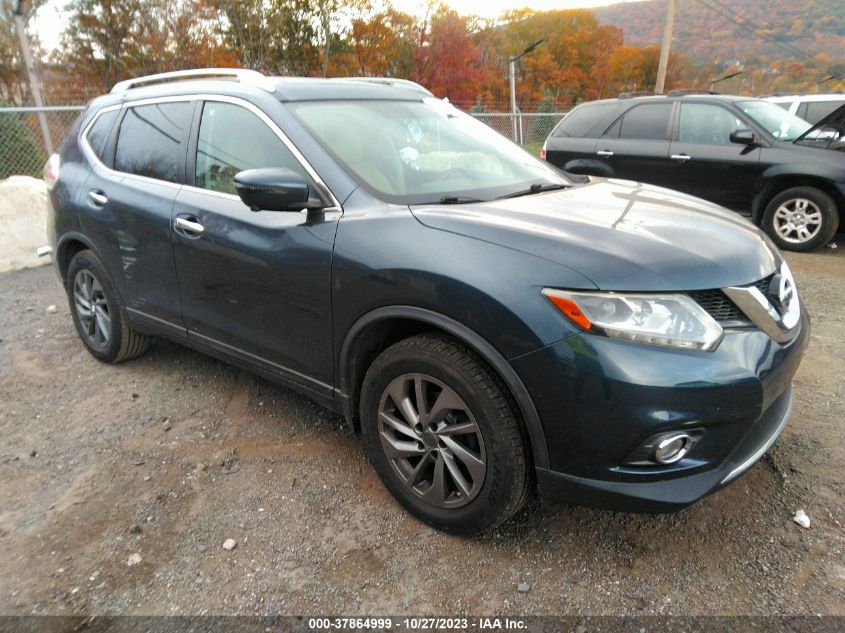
pixel 745 154
pixel 489 326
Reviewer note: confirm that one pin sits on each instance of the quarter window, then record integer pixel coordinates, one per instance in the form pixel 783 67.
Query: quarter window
pixel 705 123
pixel 232 139
pixel 152 139
pixel 99 132
pixel 647 122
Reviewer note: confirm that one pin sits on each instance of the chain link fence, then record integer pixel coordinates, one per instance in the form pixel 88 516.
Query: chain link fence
pixel 24 148
pixel 528 129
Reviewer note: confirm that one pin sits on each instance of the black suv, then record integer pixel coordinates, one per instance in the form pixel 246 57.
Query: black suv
pixel 488 325
pixel 746 154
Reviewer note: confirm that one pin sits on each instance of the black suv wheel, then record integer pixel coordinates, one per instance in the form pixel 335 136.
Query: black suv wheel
pixel 801 219
pixel 98 313
pixel 441 433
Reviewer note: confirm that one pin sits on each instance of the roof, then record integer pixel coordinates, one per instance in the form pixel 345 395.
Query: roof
pixel 670 98
pixel 240 80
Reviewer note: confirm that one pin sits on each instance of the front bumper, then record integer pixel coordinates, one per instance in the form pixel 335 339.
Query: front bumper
pixel 670 494
pixel 600 399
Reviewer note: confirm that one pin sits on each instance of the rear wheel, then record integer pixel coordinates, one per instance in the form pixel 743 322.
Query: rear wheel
pixel 98 313
pixel 441 433
pixel 801 219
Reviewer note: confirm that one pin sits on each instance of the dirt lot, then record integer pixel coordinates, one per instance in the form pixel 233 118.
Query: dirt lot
pixel 121 484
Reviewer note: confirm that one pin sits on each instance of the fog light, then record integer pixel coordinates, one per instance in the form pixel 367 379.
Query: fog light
pixel 672 448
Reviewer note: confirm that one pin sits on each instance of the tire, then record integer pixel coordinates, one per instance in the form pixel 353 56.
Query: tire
pixel 787 219
pixel 106 335
pixel 477 421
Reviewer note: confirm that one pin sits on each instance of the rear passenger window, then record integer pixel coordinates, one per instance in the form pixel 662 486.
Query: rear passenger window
pixel 648 122
pixel 232 139
pixel 151 141
pixel 99 132
pixel 588 121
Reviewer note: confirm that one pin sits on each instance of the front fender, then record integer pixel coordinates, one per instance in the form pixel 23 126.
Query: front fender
pixel 461 333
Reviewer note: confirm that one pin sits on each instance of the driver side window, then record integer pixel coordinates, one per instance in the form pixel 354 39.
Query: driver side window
pixel 232 139
pixel 705 123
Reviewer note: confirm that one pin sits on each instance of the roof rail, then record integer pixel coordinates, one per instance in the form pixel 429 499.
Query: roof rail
pixel 635 93
pixel 689 91
pixel 388 81
pixel 243 75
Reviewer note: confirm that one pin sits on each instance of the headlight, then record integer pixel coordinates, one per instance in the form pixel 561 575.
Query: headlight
pixel 672 320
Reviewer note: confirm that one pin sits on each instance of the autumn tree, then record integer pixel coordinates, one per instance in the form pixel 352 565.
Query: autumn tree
pixel 450 60
pixel 110 40
pixel 277 37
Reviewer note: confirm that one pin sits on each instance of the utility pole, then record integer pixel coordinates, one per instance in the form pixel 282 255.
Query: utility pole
pixel 517 124
pixel 34 86
pixel 664 49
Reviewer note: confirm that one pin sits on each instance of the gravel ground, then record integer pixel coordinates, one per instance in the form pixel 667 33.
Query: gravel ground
pixel 121 484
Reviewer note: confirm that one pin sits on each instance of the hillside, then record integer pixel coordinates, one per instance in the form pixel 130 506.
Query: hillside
pixel 773 31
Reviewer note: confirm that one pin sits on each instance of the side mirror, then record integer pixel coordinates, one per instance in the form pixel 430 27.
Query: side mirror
pixel 744 137
pixel 272 189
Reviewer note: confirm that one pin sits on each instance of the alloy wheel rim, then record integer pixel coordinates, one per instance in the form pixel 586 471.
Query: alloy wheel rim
pixel 432 440
pixel 798 220
pixel 91 306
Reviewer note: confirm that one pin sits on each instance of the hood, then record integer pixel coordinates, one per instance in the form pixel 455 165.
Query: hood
pixel 621 235
pixel 829 132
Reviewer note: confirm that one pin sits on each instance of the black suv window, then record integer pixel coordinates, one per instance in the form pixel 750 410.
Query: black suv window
pixel 152 139
pixel 99 132
pixel 231 139
pixel 648 121
pixel 707 123
pixel 587 121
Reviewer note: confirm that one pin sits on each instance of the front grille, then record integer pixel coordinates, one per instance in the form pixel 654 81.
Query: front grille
pixel 716 303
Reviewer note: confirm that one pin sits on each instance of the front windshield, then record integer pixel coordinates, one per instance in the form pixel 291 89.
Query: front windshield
pixel 775 120
pixel 415 152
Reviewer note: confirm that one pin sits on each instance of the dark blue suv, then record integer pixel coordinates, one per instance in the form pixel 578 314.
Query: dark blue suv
pixel 489 325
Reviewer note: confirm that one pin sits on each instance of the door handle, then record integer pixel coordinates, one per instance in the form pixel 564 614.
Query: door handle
pixel 681 157
pixel 98 198
pixel 605 153
pixel 190 226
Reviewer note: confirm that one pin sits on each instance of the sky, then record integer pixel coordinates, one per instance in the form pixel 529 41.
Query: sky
pixel 50 19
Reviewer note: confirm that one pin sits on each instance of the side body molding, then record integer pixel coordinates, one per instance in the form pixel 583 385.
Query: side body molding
pixel 466 336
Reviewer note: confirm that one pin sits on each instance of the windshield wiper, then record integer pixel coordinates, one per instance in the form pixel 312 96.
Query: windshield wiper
pixel 458 200
pixel 537 187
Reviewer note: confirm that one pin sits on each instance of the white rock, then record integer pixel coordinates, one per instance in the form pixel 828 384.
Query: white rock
pixel 229 544
pixel 801 518
pixel 52 309
pixel 134 559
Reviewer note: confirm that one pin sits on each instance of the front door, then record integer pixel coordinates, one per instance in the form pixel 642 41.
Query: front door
pixel 255 285
pixel 705 161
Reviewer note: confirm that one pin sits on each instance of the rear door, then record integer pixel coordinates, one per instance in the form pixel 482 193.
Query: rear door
pixel 574 138
pixel 705 163
pixel 254 285
pixel 636 147
pixel 127 202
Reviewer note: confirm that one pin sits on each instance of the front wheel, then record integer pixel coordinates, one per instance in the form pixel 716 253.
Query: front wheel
pixel 441 433
pixel 801 219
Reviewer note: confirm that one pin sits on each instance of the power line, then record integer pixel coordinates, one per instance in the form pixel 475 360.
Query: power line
pixel 753 29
